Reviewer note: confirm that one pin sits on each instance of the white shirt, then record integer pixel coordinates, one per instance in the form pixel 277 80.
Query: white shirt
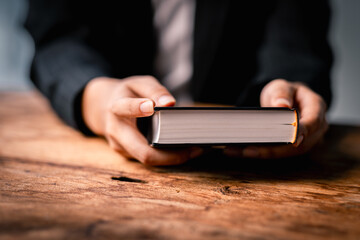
pixel 174 24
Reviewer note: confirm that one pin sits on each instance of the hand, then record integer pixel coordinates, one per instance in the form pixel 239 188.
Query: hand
pixel 312 127
pixel 110 108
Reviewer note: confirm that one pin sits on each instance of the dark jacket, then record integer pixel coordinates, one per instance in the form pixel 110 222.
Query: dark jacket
pixel 239 46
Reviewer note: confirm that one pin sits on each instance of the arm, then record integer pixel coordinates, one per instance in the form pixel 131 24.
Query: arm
pixel 72 63
pixel 295 48
pixel 64 62
pixel 294 71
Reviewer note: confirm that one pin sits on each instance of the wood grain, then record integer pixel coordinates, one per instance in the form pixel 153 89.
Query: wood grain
pixel 57 184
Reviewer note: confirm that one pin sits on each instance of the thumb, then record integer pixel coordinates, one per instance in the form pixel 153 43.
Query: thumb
pixel 133 107
pixel 277 93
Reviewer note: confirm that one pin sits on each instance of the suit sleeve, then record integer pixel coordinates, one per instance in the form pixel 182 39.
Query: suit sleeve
pixel 64 60
pixel 295 47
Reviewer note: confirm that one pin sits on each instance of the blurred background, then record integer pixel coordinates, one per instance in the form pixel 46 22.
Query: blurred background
pixel 16 51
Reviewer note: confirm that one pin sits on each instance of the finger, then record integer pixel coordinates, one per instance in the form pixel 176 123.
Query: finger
pixel 149 87
pixel 132 107
pixel 271 152
pixel 265 152
pixel 262 152
pixel 283 151
pixel 137 146
pixel 113 143
pixel 312 139
pixel 312 110
pixel 277 93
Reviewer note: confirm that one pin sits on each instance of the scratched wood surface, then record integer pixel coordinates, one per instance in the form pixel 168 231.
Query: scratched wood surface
pixel 57 184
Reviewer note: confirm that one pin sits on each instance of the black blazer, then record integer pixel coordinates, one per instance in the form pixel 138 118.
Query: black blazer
pixel 239 46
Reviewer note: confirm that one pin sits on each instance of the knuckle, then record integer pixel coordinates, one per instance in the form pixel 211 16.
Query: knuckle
pixel 146 161
pixel 280 88
pixel 120 150
pixel 150 78
pixel 145 157
pixel 317 124
pixel 279 85
pixel 281 81
pixel 112 108
pixel 122 87
pixel 112 143
pixel 130 81
pixel 141 79
pixel 130 108
pixel 110 130
pixel 124 107
pixel 322 102
pixel 110 137
pixel 312 123
pixel 318 99
pixel 114 146
pixel 126 83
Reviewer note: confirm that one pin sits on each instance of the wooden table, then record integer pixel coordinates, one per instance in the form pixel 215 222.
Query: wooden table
pixel 57 184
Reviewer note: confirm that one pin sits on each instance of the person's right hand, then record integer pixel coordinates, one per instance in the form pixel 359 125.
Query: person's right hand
pixel 110 108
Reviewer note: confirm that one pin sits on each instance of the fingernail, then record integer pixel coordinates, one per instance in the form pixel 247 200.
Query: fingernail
pixel 282 102
pixel 299 140
pixel 147 107
pixel 196 152
pixel 250 152
pixel 166 100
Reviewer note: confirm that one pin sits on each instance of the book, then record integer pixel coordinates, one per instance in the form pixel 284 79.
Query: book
pixel 217 126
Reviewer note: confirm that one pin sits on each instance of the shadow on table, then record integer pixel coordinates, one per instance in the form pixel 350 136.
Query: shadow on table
pixel 331 160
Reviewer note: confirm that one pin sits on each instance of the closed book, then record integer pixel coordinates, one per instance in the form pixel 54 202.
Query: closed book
pixel 217 126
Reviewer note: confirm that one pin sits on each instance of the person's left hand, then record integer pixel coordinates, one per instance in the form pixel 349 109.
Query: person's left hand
pixel 312 127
